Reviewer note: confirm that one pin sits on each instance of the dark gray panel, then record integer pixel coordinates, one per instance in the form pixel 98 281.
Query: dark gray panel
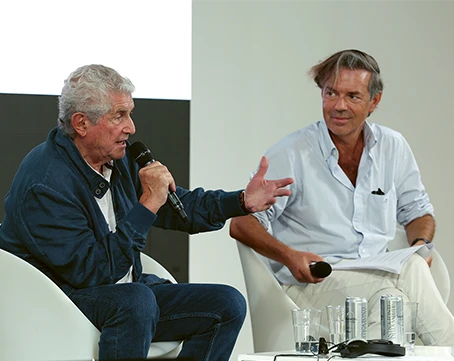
pixel 163 125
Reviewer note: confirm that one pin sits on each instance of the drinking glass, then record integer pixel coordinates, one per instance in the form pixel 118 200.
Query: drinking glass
pixel 336 324
pixel 410 315
pixel 306 330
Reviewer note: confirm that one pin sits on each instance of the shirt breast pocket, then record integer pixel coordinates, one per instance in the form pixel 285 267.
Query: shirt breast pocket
pixel 382 211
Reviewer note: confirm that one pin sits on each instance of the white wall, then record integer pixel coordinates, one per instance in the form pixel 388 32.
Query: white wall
pixel 250 88
pixel 149 41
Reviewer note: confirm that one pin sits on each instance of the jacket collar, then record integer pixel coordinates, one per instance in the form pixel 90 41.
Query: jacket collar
pixel 97 184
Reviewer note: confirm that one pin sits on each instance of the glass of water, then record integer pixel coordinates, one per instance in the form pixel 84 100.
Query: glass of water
pixel 410 315
pixel 336 324
pixel 306 330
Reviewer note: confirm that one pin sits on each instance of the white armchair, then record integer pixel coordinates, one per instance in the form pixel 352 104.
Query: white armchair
pixel 269 305
pixel 438 268
pixel 39 322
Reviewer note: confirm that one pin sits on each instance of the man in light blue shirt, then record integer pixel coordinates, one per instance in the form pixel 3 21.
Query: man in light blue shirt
pixel 353 182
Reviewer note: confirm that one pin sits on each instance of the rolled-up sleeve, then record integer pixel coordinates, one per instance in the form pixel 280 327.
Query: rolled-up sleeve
pixel 412 200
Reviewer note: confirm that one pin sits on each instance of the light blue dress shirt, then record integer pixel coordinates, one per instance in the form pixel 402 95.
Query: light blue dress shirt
pixel 329 216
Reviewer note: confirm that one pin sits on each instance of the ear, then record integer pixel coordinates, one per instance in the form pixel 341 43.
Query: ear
pixel 374 102
pixel 79 122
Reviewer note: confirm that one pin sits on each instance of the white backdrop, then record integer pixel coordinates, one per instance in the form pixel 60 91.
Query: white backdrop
pixel 149 41
pixel 250 88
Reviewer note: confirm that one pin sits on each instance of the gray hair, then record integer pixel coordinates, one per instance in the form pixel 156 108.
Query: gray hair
pixel 88 89
pixel 352 59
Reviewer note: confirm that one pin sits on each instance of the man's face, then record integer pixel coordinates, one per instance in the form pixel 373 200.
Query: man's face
pixel 106 140
pixel 347 103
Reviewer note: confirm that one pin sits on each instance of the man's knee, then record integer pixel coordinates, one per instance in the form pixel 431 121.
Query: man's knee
pixel 138 302
pixel 232 301
pixel 416 264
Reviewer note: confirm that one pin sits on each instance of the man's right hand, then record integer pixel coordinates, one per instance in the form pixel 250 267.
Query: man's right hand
pixel 156 182
pixel 298 263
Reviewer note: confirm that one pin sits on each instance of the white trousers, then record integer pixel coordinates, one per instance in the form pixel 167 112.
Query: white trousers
pixel 435 323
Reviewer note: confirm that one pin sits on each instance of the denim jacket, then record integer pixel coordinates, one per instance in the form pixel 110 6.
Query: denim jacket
pixel 53 221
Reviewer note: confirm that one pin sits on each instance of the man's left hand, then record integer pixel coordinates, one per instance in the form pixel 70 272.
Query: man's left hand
pixel 429 258
pixel 260 194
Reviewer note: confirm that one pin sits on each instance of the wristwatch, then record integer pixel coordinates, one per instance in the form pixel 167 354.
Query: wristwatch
pixel 242 204
pixel 419 239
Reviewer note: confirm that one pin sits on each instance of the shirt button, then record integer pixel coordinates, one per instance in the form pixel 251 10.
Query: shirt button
pixel 98 191
pixel 102 185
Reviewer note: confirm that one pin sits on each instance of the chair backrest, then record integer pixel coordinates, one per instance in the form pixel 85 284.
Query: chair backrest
pixel 438 268
pixel 39 322
pixel 269 306
pixel 151 266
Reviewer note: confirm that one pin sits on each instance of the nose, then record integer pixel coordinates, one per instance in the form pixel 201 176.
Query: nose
pixel 341 104
pixel 130 127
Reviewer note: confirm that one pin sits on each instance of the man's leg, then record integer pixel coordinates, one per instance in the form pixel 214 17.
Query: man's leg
pixel 126 314
pixel 340 285
pixel 207 317
pixel 435 324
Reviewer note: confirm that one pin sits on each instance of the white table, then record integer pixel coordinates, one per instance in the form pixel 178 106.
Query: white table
pixel 422 353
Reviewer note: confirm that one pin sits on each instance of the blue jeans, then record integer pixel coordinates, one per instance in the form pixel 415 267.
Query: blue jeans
pixel 208 317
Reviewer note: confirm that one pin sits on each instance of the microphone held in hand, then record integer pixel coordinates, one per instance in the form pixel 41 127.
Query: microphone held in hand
pixel 320 269
pixel 142 155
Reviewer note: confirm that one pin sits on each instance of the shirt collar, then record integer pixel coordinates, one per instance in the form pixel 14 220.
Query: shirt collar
pixel 327 145
pixel 370 135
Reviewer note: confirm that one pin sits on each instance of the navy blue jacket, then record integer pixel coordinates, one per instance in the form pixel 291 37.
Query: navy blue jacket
pixel 53 221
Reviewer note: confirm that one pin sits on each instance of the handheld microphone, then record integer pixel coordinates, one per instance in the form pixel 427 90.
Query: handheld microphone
pixel 320 269
pixel 142 155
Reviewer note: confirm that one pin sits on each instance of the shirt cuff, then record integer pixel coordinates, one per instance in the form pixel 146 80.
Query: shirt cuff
pixel 141 218
pixel 231 207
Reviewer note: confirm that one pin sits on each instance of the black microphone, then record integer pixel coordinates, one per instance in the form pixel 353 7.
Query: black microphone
pixel 320 269
pixel 142 155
